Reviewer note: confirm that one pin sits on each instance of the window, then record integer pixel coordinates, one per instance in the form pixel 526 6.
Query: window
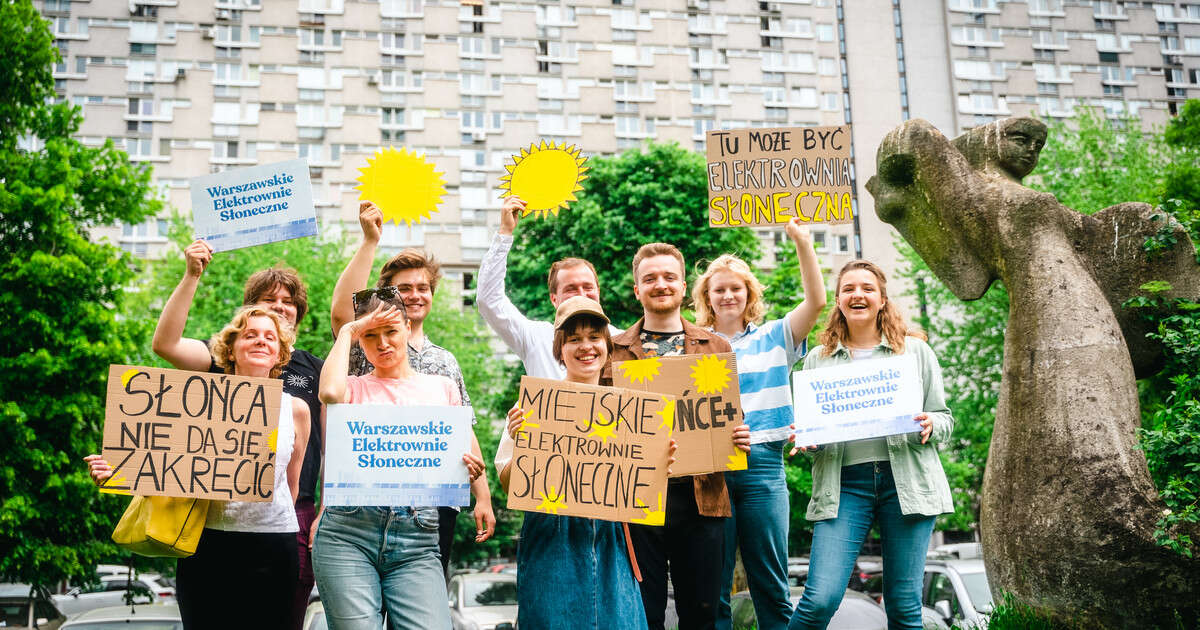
pixel 828 66
pixel 1191 44
pixel 818 238
pixel 825 32
pixel 843 244
pixel 141 107
pixel 804 97
pixel 829 102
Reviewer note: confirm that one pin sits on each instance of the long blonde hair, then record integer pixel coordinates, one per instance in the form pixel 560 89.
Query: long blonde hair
pixel 221 345
pixel 755 308
pixel 889 322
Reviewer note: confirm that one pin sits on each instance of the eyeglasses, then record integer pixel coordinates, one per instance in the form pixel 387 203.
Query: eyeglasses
pixel 387 294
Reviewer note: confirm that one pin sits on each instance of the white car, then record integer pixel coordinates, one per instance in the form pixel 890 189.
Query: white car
pixel 958 590
pixel 145 617
pixel 480 601
pixel 110 590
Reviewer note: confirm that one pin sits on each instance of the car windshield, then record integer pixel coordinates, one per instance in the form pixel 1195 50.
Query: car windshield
pixel 978 590
pixel 149 624
pixel 14 614
pixel 491 593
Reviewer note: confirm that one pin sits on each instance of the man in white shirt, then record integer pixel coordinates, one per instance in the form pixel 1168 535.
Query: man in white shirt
pixel 531 340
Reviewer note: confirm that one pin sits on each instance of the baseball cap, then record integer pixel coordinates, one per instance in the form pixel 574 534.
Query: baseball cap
pixel 577 305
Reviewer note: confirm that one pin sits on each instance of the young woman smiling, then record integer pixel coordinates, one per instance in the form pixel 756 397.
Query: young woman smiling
pixel 896 482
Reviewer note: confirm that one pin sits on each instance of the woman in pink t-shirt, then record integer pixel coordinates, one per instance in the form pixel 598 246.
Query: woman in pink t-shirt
pixel 372 558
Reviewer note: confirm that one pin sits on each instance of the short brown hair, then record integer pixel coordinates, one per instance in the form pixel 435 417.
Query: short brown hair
pixel 582 321
pixel 263 282
pixel 657 249
pixel 411 258
pixel 221 345
pixel 568 263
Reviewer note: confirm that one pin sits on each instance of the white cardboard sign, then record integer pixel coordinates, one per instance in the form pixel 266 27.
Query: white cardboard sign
pixel 856 401
pixel 396 456
pixel 255 205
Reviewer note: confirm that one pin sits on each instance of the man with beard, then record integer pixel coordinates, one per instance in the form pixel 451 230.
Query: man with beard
pixel 691 544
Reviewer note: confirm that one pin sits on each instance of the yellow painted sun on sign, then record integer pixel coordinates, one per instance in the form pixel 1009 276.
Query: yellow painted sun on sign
pixel 404 185
pixel 640 370
pixel 710 374
pixel 546 177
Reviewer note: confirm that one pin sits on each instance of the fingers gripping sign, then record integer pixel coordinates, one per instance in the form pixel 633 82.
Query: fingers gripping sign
pixel 197 255
pixel 370 217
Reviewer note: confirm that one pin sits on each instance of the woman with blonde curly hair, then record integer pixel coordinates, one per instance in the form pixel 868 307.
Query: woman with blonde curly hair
pixel 247 557
pixel 728 299
pixel 895 481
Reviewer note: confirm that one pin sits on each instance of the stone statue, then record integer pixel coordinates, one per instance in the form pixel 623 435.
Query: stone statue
pixel 1069 509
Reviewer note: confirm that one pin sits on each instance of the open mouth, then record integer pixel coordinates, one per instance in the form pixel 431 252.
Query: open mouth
pixel 587 359
pixel 858 307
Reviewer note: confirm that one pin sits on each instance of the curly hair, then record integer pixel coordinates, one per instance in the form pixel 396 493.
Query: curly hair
pixel 889 321
pixel 755 308
pixel 221 344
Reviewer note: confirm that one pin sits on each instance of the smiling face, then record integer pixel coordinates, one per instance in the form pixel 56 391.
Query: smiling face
pixel 386 347
pixel 727 295
pixel 279 299
pixel 255 350
pixel 415 290
pixel 584 352
pixel 859 297
pixel 659 284
pixel 575 280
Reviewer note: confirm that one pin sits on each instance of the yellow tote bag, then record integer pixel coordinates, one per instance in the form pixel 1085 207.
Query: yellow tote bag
pixel 162 527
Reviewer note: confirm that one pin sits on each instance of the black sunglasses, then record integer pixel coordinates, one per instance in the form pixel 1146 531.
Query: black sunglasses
pixel 388 293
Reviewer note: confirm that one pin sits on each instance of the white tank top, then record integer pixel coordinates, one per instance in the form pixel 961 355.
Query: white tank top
pixel 277 516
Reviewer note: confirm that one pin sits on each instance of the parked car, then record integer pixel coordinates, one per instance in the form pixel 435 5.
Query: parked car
pixel 856 612
pixel 961 551
pixel 110 590
pixel 958 590
pixel 479 601
pixel 139 617
pixel 24 607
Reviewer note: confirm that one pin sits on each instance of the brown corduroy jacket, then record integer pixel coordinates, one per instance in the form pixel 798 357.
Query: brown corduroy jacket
pixel 712 498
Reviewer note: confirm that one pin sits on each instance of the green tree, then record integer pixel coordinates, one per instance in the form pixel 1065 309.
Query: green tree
pixel 655 193
pixel 60 293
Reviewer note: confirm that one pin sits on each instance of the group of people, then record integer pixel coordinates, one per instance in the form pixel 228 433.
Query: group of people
pixel 572 571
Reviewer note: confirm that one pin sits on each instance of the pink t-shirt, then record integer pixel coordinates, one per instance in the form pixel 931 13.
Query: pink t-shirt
pixel 418 389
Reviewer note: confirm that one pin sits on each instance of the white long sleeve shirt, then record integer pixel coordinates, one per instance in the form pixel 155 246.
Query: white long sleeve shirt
pixel 532 341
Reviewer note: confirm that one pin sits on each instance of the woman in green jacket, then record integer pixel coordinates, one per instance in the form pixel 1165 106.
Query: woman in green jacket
pixel 897 481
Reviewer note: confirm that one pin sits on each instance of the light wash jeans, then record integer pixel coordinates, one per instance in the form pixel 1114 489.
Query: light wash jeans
pixel 868 494
pixel 759 528
pixel 367 559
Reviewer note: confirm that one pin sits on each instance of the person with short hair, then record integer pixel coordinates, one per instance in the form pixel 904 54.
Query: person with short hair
pixel 532 341
pixel 247 557
pixel 412 277
pixel 691 545
pixel 280 290
pixel 575 572
pixel 896 482
pixel 729 301
pixel 374 559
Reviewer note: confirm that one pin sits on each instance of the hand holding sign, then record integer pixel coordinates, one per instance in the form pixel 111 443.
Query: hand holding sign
pixel 860 400
pixel 255 205
pixel 197 255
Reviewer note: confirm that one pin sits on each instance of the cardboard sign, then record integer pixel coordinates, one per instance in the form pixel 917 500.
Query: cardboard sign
pixel 191 434
pixel 399 456
pixel 770 176
pixel 856 401
pixel 708 406
pixel 253 206
pixel 596 452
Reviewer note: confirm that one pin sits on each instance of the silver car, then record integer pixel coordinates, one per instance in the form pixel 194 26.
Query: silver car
pixel 110 590
pixel 143 617
pixel 480 601
pixel 958 590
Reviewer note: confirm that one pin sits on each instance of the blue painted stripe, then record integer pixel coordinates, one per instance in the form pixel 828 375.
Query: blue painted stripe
pixel 758 380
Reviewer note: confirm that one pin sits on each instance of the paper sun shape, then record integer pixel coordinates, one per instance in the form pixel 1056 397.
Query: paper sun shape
pixel 546 177
pixel 403 184
pixel 640 370
pixel 710 374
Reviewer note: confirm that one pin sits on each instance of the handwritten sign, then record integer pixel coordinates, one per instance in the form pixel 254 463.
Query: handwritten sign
pixel 253 206
pixel 859 400
pixel 770 176
pixel 191 434
pixel 597 452
pixel 389 455
pixel 708 407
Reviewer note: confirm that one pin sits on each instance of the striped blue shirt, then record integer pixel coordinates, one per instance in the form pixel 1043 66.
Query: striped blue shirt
pixel 765 355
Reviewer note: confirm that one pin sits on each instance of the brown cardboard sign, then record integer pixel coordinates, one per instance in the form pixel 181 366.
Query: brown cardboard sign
pixel 770 176
pixel 596 452
pixel 708 406
pixel 191 434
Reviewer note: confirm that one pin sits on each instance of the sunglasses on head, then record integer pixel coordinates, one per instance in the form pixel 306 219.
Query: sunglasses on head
pixel 360 298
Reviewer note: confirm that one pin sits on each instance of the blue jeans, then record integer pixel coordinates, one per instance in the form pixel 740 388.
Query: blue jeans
pixel 369 558
pixel 759 528
pixel 868 495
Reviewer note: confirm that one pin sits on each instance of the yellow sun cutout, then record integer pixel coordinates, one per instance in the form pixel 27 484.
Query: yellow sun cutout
pixel 546 177
pixel 403 184
pixel 552 506
pixel 710 375
pixel 655 517
pixel 640 370
pixel 603 431
pixel 668 415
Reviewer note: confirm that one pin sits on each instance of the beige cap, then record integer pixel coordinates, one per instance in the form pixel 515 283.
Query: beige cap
pixel 577 305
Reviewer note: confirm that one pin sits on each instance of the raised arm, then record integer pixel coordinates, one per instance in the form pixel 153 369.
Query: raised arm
pixel 169 342
pixel 804 316
pixel 333 387
pixel 497 310
pixel 358 272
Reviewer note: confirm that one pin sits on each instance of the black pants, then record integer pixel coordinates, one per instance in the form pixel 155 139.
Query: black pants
pixel 238 580
pixel 692 547
pixel 447 517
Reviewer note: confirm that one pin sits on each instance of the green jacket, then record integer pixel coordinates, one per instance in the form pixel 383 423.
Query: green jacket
pixel 920 481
